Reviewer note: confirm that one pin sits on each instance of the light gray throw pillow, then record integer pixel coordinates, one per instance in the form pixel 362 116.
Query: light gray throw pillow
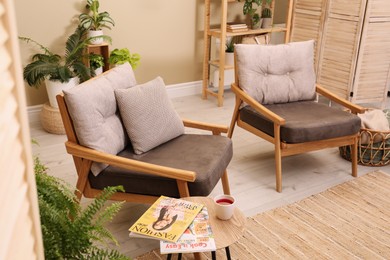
pixel 148 115
pixel 277 73
pixel 93 109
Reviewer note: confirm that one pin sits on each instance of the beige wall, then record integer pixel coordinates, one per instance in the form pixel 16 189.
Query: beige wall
pixel 168 34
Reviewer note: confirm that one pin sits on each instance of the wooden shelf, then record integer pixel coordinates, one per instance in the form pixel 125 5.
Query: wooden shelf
pixel 221 33
pixel 217 63
pixel 101 49
pixel 217 32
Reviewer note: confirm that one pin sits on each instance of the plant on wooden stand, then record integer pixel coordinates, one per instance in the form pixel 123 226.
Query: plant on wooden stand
pixel 94 21
pixel 96 63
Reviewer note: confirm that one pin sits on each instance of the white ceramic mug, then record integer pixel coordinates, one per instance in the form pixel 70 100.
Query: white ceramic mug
pixel 224 206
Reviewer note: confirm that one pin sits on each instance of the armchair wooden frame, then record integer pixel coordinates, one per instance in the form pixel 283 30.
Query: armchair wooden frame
pixel 83 158
pixel 285 149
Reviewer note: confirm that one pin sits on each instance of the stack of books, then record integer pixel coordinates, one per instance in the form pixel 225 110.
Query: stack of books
pixel 181 226
pixel 236 27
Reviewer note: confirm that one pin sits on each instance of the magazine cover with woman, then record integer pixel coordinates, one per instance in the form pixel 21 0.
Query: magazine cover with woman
pixel 166 219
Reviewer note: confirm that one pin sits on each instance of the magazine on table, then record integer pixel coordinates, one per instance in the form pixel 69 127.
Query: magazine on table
pixel 166 219
pixel 198 237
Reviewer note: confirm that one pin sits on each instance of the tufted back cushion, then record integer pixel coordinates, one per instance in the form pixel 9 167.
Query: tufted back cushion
pixel 93 109
pixel 274 74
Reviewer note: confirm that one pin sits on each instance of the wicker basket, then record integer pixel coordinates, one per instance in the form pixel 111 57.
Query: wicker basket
pixel 51 120
pixel 373 148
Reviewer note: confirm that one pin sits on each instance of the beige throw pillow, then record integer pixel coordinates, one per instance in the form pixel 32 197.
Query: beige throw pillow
pixel 277 73
pixel 148 115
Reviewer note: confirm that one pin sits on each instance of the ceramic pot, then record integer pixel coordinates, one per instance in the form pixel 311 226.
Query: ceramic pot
pixel 229 58
pixel 92 33
pixel 99 71
pixel 267 23
pixel 54 88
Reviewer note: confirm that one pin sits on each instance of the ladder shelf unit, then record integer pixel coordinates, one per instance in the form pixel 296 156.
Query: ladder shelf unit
pixel 222 34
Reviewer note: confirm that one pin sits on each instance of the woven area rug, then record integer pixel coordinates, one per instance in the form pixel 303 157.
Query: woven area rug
pixel 349 221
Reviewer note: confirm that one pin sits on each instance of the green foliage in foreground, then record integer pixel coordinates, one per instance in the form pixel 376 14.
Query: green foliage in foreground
pixel 70 232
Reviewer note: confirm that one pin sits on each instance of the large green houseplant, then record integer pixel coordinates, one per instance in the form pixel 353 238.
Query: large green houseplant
pixel 94 21
pixel 68 231
pixel 55 69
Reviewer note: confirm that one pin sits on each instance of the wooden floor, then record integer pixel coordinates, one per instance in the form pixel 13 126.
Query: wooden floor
pixel 251 171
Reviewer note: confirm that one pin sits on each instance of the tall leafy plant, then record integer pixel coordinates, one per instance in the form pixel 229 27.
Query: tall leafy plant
pixel 70 232
pixel 93 20
pixel 56 67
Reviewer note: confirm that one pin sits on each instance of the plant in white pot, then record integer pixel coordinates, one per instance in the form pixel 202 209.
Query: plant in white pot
pixel 229 51
pixel 94 21
pixel 120 56
pixel 266 16
pixel 96 63
pixel 58 72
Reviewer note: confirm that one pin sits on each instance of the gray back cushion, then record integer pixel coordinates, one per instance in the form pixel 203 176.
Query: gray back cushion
pixel 148 115
pixel 274 74
pixel 93 109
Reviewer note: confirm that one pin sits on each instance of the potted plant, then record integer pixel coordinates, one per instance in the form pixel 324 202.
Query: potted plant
pixel 96 63
pixel 68 231
pixel 250 8
pixel 120 56
pixel 266 16
pixel 229 51
pixel 58 72
pixel 94 21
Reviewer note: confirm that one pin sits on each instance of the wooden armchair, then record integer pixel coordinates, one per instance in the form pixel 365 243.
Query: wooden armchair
pixel 269 105
pixel 190 164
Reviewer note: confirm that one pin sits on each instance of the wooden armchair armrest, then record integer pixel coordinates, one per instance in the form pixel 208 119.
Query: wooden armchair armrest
pixel 216 129
pixel 353 107
pixel 129 164
pixel 257 106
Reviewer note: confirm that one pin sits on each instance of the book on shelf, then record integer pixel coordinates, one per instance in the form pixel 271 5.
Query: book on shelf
pixel 236 27
pixel 237 30
pixel 166 219
pixel 198 237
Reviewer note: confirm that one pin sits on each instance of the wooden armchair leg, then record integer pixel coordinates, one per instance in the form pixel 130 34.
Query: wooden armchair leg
pixel 278 171
pixel 278 158
pixel 225 183
pixel 234 117
pixel 354 156
pixel 183 188
pixel 83 171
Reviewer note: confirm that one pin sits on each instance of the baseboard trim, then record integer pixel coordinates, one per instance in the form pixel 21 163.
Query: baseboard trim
pixel 184 89
pixel 174 91
pixel 34 113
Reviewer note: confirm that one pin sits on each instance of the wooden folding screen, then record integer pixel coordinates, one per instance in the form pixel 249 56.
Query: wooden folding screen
pixel 20 232
pixel 352 52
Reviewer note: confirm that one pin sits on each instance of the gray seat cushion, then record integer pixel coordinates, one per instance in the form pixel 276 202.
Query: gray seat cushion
pixel 305 121
pixel 207 155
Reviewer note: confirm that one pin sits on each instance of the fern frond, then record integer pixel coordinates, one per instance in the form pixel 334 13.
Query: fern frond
pixel 28 40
